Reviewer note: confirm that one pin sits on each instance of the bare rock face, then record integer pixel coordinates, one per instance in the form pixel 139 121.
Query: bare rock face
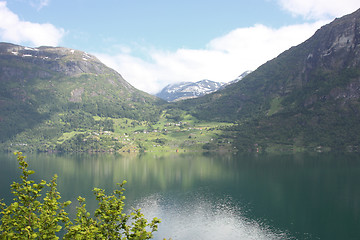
pixel 310 92
pixel 334 50
pixel 62 60
pixel 20 64
pixel 337 44
pixel 76 95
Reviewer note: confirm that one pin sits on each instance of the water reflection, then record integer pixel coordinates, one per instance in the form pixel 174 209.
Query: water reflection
pixel 215 196
pixel 201 215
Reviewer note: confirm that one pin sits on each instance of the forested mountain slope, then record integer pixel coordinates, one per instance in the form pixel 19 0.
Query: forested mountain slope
pixel 58 99
pixel 47 91
pixel 307 96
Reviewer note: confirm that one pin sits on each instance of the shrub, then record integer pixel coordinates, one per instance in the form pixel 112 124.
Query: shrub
pixel 30 217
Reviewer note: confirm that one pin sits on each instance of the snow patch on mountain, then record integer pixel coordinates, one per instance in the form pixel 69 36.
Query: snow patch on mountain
pixel 186 90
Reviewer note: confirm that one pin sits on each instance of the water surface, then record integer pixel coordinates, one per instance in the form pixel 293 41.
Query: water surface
pixel 216 196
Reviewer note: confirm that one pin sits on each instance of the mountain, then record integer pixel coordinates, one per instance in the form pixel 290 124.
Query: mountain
pixel 240 77
pixel 47 91
pixel 188 90
pixel 308 96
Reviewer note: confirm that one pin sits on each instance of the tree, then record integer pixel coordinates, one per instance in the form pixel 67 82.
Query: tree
pixel 30 217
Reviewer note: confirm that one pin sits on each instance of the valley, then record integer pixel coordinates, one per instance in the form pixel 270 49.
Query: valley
pixel 107 134
pixel 306 99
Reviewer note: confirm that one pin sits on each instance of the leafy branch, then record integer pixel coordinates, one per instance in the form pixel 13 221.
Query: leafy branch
pixel 30 217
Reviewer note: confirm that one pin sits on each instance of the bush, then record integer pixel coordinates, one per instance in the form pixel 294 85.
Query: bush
pixel 30 217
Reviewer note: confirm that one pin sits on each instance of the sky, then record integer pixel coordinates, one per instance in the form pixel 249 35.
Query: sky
pixel 153 43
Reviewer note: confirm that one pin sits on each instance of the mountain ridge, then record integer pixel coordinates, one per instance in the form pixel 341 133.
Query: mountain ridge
pixel 188 90
pixel 61 89
pixel 307 96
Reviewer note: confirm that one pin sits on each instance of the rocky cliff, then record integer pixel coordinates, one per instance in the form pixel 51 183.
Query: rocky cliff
pixel 307 96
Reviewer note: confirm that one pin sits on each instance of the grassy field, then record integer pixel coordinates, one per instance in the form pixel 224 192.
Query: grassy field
pixel 128 135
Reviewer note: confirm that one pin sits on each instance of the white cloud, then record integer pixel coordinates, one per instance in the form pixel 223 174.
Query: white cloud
pixel 14 30
pixel 39 4
pixel 223 59
pixel 320 9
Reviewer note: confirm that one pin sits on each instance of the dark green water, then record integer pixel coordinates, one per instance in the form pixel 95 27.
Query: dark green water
pixel 207 196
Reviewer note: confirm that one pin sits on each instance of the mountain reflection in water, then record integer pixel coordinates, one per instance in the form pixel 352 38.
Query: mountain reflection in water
pixel 215 196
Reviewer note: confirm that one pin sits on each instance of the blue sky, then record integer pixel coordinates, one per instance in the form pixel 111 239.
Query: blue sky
pixel 153 43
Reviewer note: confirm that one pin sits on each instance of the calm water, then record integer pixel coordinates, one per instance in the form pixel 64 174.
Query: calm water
pixel 206 196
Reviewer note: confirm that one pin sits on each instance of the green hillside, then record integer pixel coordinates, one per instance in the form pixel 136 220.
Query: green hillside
pixel 59 99
pixel 307 97
pixel 46 92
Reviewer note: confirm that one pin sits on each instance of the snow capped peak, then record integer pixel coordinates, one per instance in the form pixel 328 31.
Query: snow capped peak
pixel 183 90
pixel 31 49
pixel 240 77
pixel 244 74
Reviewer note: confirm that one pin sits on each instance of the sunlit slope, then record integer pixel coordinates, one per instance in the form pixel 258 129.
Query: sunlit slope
pixel 307 96
pixel 48 91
